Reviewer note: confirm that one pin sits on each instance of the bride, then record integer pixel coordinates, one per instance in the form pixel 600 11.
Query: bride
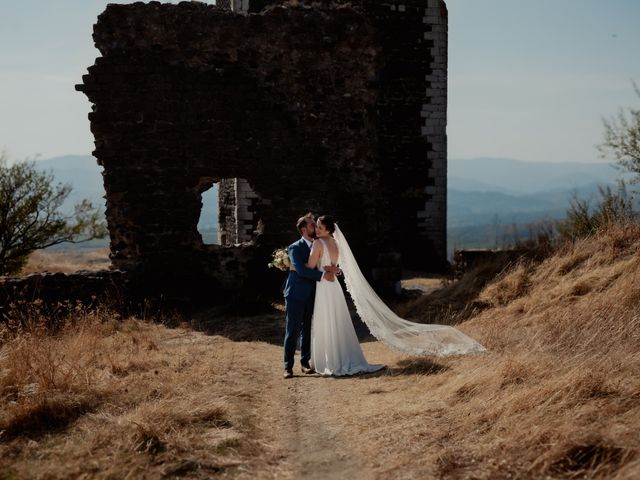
pixel 335 349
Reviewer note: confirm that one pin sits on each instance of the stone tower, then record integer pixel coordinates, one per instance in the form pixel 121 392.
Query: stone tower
pixel 324 107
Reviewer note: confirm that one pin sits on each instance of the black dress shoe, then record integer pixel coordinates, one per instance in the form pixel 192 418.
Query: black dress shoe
pixel 288 373
pixel 307 370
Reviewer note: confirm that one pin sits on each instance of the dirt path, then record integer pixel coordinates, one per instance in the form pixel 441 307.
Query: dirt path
pixel 310 436
pixel 319 428
pixel 312 424
pixel 177 402
pixel 371 426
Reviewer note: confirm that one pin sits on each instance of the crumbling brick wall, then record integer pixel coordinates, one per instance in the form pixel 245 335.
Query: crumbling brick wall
pixel 319 108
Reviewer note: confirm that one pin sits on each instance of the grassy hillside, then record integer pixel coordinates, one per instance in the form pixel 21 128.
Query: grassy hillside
pixel 556 396
pixel 559 394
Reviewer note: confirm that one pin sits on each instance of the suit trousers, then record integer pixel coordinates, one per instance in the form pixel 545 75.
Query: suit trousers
pixel 298 324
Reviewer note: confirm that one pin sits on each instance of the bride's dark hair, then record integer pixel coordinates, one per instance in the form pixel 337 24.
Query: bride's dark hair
pixel 328 222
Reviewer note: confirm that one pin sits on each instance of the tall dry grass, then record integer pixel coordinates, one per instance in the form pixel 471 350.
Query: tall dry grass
pixel 101 397
pixel 67 261
pixel 558 394
pixel 456 301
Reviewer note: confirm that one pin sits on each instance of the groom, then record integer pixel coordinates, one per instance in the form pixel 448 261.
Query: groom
pixel 299 296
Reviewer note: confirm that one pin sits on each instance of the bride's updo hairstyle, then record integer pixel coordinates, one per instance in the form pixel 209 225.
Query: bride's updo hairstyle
pixel 328 222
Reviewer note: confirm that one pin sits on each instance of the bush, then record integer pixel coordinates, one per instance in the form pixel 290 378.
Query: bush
pixel 622 139
pixel 30 215
pixel 614 207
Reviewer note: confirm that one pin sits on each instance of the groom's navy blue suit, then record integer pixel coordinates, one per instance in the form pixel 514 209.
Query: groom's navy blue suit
pixel 299 295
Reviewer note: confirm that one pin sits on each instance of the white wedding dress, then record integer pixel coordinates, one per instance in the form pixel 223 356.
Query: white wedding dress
pixel 335 349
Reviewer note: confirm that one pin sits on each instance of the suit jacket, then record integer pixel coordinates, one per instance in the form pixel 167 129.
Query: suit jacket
pixel 301 283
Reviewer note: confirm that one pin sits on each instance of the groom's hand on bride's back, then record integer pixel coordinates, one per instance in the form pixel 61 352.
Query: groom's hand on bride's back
pixel 328 276
pixel 333 269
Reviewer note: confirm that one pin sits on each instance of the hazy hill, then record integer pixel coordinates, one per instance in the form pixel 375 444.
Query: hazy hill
pixel 493 201
pixel 517 177
pixel 85 176
pixel 82 172
pixel 479 208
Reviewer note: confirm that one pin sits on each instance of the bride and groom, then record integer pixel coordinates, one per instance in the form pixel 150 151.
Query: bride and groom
pixel 317 312
pixel 329 345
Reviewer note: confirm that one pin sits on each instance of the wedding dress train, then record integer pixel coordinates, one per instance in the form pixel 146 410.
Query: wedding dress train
pixel 335 349
pixel 399 334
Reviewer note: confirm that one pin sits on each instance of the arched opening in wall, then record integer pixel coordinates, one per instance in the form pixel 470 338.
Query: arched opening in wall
pixel 208 222
pixel 229 211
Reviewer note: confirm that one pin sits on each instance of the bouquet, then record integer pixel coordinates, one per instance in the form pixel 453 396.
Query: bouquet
pixel 280 260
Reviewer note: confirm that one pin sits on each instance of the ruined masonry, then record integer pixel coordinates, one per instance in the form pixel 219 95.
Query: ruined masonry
pixel 329 107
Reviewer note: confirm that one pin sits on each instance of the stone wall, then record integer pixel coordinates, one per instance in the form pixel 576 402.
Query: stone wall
pixel 227 224
pixel 411 108
pixel 237 206
pixel 412 125
pixel 53 289
pixel 433 217
pixel 322 109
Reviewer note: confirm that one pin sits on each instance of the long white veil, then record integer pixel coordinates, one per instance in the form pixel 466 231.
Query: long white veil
pixel 386 326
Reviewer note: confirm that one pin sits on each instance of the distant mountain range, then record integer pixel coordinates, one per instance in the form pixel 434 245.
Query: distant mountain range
pixel 516 177
pixel 84 175
pixel 493 201
pixel 487 196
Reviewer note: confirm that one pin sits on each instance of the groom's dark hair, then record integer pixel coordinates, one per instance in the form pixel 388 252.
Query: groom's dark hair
pixel 302 221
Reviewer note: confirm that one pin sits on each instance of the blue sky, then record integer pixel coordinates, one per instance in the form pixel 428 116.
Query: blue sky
pixel 527 79
pixel 531 79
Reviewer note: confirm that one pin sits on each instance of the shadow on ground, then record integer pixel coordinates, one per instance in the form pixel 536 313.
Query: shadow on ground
pixel 419 366
pixel 266 326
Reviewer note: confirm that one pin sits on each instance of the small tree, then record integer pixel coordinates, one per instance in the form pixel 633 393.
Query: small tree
pixel 30 215
pixel 622 139
pixel 612 207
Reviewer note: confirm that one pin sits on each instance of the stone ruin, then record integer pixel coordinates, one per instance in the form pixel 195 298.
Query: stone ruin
pixel 326 107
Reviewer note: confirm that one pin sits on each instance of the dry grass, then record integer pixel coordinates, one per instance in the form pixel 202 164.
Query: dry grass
pixel 556 396
pixel 455 301
pixel 415 281
pixel 102 398
pixel 67 261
